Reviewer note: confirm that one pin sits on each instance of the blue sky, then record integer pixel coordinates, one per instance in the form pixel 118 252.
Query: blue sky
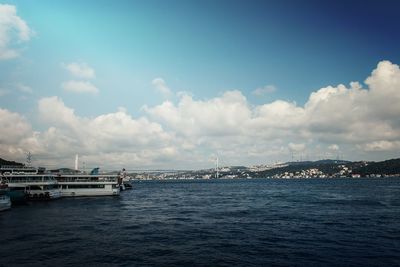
pixel 202 48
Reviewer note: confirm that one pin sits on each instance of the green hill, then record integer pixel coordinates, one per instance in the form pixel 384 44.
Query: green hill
pixel 332 167
pixel 391 166
pixel 4 162
pixel 328 167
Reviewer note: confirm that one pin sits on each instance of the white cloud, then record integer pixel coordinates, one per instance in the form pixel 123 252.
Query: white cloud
pixel 218 116
pixel 161 87
pixel 278 114
pixel 363 122
pixel 53 111
pixel 296 147
pixel 333 147
pixel 24 89
pixel 103 139
pixel 264 90
pixel 80 70
pixel 4 92
pixel 20 87
pixel 13 127
pixel 79 87
pixel 355 115
pixel 382 145
pixel 350 117
pixel 13 31
pixel 16 135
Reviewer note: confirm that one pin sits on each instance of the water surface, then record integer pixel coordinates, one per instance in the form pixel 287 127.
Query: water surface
pixel 260 222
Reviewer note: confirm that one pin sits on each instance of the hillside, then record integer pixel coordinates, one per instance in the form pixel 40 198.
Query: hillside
pixel 335 167
pixel 4 162
pixel 391 166
pixel 329 167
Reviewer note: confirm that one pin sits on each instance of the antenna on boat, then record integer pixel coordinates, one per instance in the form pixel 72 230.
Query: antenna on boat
pixel 29 159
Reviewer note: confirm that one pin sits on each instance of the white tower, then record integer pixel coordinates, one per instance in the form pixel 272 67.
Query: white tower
pixel 76 162
pixel 216 168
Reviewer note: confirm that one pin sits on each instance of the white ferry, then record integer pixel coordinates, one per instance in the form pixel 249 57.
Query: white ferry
pixel 37 186
pixel 94 184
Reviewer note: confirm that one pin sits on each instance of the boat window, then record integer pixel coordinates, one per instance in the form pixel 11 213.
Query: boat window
pixel 86 186
pixel 50 187
pixel 35 187
pixel 17 188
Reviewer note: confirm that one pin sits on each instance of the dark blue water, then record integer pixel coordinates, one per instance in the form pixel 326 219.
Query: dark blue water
pixel 336 222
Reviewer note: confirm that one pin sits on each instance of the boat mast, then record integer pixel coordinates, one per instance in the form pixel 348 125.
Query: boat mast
pixel 29 159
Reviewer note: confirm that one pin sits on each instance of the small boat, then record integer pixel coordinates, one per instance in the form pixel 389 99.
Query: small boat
pixel 128 186
pixel 5 202
pixel 125 181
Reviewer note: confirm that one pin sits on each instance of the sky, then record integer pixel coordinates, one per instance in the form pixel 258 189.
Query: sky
pixel 175 84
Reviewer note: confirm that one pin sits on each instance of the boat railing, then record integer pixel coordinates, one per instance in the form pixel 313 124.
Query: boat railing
pixel 29 179
pixel 86 179
pixel 17 169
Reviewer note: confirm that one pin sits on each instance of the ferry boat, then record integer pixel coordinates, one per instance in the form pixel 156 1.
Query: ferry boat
pixel 37 186
pixel 94 184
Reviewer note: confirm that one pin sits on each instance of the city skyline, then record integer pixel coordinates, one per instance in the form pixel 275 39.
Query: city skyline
pixel 173 84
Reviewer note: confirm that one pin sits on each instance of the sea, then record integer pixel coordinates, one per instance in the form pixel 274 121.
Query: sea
pixel 254 222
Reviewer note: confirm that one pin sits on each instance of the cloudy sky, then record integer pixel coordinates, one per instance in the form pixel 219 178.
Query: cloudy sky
pixel 172 84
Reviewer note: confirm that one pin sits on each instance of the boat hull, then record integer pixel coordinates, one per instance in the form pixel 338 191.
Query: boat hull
pixel 44 194
pixel 17 196
pixel 88 190
pixel 87 193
